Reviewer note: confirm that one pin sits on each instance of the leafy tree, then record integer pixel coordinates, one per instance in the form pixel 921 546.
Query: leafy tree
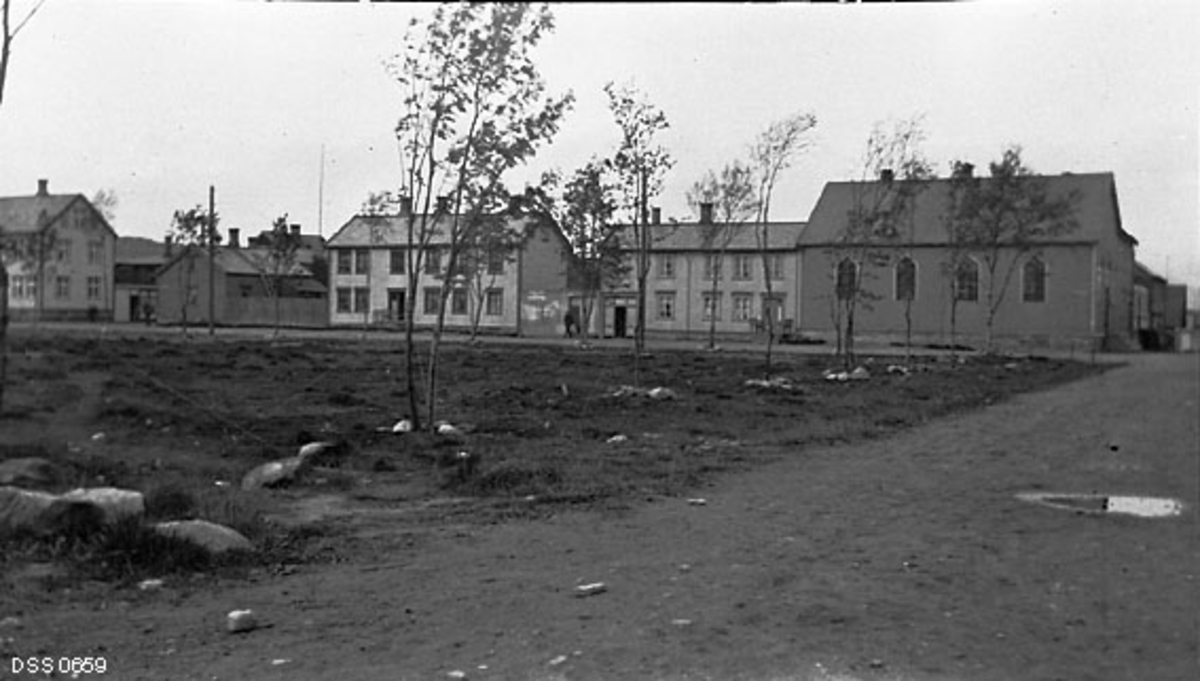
pixel 279 261
pixel 383 202
pixel 487 251
pixel 473 108
pixel 640 164
pixel 731 195
pixel 105 202
pixel 585 213
pixel 879 228
pixel 770 155
pixel 190 229
pixel 1005 217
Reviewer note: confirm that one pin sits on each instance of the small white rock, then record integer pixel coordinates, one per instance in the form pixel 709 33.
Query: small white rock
pixel 402 426
pixel 558 660
pixel 697 501
pixel 150 584
pixel 241 620
pixel 590 589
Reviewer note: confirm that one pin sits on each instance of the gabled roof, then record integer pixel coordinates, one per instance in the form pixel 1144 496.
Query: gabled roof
pixel 20 213
pixel 136 250
pixel 693 236
pixel 1096 212
pixel 1141 272
pixel 238 261
pixel 363 231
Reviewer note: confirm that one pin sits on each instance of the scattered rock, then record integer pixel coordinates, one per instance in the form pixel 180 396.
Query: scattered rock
pixel 240 621
pixel 32 471
pixel 877 664
pixel 96 437
pixel 697 501
pixel 859 374
pixel 115 503
pixel 150 584
pixel 211 536
pixel 403 426
pixel 682 623
pixel 584 590
pixel 275 473
pixel 456 674
pixel 448 430
pixel 776 383
pixel 662 394
pixel 558 660
pixel 616 438
pixel 838 376
pixel 898 369
pixel 44 514
pixel 313 449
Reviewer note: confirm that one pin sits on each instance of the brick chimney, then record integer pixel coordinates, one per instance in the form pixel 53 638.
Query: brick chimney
pixel 295 230
pixel 443 204
pixel 43 188
pixel 656 216
pixel 168 245
pixel 234 234
pixel 706 213
pixel 405 205
pixel 887 175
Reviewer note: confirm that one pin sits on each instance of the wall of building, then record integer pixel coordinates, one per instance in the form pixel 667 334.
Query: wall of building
pixel 544 296
pixel 173 291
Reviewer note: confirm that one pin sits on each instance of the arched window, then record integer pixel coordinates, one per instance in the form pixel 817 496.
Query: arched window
pixel 906 279
pixel 966 280
pixel 847 279
pixel 1033 280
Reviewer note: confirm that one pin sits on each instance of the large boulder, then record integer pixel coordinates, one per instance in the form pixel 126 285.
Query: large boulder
pixel 43 514
pixel 210 536
pixel 275 473
pixel 114 503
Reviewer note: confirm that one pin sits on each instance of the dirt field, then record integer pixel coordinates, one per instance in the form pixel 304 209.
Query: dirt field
pixel 860 530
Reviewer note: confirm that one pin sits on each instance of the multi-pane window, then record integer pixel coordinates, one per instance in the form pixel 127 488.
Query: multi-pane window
pixel 95 252
pixel 1033 278
pixel 433 261
pixel 362 260
pixel 712 267
pixel 743 266
pixel 495 261
pixel 93 288
pixel 343 299
pixel 398 261
pixel 666 305
pixel 458 301
pixel 666 266
pixel 743 307
pixel 344 261
pixel 433 298
pixel 361 300
pixel 63 250
pixel 906 279
pixel 494 302
pixel 966 281
pixel 62 286
pixel 712 306
pixel 775 266
pixel 847 279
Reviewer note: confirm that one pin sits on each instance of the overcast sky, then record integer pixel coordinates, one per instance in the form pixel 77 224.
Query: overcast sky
pixel 158 100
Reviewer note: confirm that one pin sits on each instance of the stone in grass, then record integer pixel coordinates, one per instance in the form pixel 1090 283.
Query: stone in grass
pixel 275 473
pixel 241 621
pixel 44 514
pixel 212 537
pixel 584 590
pixel 115 503
pixel 860 374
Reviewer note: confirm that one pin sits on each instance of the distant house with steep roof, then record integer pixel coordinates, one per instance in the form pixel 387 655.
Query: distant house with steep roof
pixel 59 252
pixel 241 286
pixel 521 292
pixel 686 260
pixel 1072 289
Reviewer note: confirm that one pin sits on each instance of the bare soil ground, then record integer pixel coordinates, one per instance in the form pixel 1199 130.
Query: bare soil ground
pixel 848 531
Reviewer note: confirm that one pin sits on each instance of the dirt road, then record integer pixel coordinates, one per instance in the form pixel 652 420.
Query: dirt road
pixel 904 558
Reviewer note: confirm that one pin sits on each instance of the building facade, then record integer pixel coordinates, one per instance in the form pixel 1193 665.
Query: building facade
pixel 59 252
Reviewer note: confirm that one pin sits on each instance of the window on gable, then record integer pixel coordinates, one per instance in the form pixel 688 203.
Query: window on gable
pixel 906 279
pixel 362 260
pixel 63 250
pixel 847 279
pixel 1033 279
pixel 966 281
pixel 344 260
pixel 95 252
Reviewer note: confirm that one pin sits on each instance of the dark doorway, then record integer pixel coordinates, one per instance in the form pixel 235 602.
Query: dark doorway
pixel 619 313
pixel 135 308
pixel 396 304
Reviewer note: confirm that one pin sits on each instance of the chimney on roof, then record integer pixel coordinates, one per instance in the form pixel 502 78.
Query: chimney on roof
pixel 514 204
pixel 443 204
pixel 706 213
pixel 968 170
pixel 43 188
pixel 405 205
pixel 168 244
pixel 295 230
pixel 234 233
pixel 887 175
pixel 656 216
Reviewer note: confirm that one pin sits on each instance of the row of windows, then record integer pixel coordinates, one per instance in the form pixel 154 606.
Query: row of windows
pixel 744 266
pixel 742 305
pixel 358 261
pixel 966 280
pixel 25 287
pixel 354 300
pixel 95 252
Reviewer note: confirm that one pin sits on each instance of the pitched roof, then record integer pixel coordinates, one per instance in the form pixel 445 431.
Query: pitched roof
pixel 239 261
pixel 20 213
pixel 1096 212
pixel 136 250
pixel 692 236
pixel 392 230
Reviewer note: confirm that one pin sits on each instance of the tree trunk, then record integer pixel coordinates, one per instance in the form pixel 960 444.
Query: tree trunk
pixel 712 317
pixel 3 333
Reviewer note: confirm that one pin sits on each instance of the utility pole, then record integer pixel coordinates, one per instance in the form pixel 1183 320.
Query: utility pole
pixel 212 250
pixel 321 197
